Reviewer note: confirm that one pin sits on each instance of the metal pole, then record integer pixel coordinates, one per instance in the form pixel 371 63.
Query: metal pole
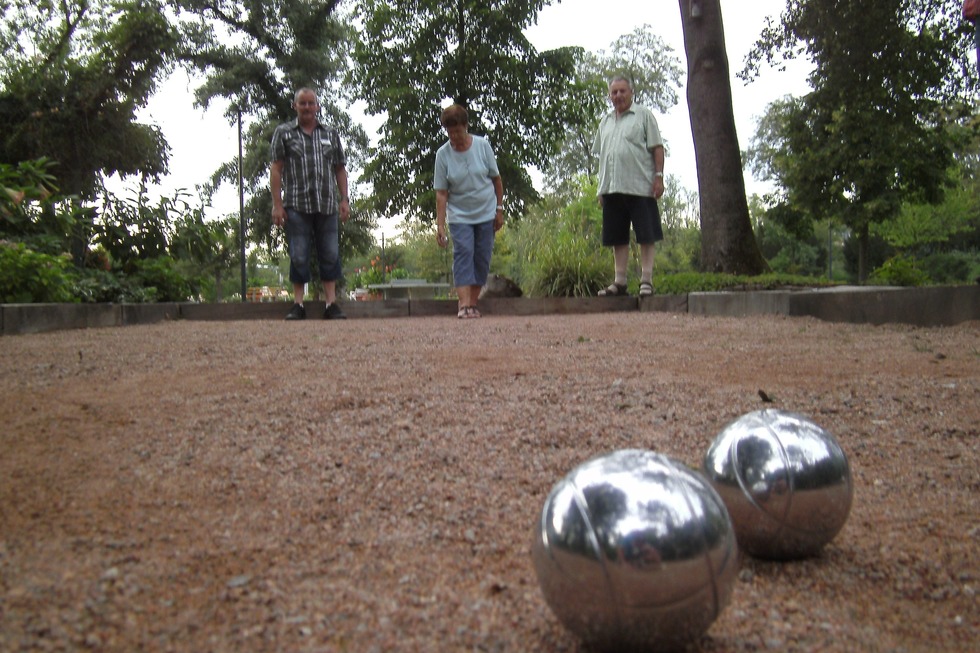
pixel 241 206
pixel 830 251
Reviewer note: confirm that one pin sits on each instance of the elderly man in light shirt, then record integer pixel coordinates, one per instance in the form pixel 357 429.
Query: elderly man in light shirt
pixel 631 179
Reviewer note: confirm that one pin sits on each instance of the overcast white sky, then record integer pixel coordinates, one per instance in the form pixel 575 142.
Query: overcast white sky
pixel 201 140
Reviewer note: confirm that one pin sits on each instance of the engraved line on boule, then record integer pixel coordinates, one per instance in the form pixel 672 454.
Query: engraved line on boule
pixel 583 507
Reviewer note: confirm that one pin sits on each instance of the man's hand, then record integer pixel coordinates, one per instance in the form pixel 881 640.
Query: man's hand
pixel 658 187
pixel 278 216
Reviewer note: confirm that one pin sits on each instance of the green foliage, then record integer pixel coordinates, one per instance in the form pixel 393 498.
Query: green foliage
pixel 555 248
pixel 72 77
pixel 918 225
pixel 208 249
pixel 424 257
pixel 952 267
pixel 786 252
pixel 900 270
pixel 414 53
pixel 101 286
pixel 680 250
pixel 375 272
pixel 163 279
pixel 20 185
pixel 873 133
pixel 32 211
pixel 27 276
pixel 688 282
pixel 134 252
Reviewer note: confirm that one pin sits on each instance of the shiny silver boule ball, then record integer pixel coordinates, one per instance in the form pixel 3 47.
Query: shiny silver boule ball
pixel 635 551
pixel 785 480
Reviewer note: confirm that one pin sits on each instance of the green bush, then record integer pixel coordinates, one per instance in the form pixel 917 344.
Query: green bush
pixel 27 276
pixel 568 265
pixel 900 270
pixel 554 250
pixel 95 286
pixel 162 280
pixel 952 267
pixel 680 250
pixel 688 282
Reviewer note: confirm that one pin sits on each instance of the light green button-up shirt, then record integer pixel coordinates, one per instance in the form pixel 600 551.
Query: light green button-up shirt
pixel 625 148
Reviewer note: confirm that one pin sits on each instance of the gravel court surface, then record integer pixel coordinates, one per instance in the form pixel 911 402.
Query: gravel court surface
pixel 371 485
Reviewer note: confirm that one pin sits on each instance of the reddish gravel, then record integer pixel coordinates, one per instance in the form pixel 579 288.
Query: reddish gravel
pixel 370 485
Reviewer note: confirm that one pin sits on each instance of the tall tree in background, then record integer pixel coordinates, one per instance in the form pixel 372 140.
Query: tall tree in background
pixel 655 73
pixel 873 133
pixel 415 53
pixel 727 242
pixel 72 76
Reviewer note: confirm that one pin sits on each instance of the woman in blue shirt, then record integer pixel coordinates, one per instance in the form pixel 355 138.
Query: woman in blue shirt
pixel 469 199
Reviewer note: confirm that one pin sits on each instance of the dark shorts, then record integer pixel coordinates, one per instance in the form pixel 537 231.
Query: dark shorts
pixel 620 211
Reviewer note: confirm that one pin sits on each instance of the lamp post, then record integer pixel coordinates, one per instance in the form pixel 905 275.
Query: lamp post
pixel 241 206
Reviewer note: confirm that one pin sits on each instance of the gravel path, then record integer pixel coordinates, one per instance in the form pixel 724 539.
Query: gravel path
pixel 370 485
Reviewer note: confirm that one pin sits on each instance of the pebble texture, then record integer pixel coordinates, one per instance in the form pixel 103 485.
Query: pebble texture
pixel 371 485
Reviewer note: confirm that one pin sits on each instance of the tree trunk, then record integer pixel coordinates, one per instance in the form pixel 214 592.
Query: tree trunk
pixel 727 242
pixel 864 241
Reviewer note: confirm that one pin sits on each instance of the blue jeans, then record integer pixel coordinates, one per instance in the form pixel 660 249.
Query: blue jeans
pixel 472 247
pixel 320 230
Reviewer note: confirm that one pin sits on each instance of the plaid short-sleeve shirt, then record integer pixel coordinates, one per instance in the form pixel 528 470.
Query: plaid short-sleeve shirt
pixel 309 181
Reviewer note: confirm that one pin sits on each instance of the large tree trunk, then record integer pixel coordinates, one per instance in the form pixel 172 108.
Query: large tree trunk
pixel 727 242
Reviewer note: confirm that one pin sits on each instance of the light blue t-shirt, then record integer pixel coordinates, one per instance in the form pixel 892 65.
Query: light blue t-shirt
pixel 468 176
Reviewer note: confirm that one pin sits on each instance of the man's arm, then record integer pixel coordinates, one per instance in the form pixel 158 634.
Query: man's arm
pixel 275 183
pixel 341 172
pixel 658 171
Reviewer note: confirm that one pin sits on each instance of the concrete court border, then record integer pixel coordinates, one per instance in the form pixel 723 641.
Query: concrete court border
pixel 932 306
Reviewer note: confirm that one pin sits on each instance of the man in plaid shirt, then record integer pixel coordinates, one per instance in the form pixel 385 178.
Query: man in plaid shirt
pixel 309 197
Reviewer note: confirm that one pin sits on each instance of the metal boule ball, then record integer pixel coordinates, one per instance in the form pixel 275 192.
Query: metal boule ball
pixel 785 480
pixel 634 551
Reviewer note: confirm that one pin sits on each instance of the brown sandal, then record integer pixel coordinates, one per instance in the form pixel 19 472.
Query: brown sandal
pixel 614 290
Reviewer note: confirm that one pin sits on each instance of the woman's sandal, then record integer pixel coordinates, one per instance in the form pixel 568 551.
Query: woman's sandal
pixel 468 313
pixel 646 289
pixel 614 290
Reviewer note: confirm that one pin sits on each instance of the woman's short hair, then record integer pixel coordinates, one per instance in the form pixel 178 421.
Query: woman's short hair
pixel 454 115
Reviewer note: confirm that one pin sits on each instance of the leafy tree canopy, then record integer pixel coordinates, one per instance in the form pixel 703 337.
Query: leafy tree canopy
pixel 872 134
pixel 72 77
pixel 413 54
